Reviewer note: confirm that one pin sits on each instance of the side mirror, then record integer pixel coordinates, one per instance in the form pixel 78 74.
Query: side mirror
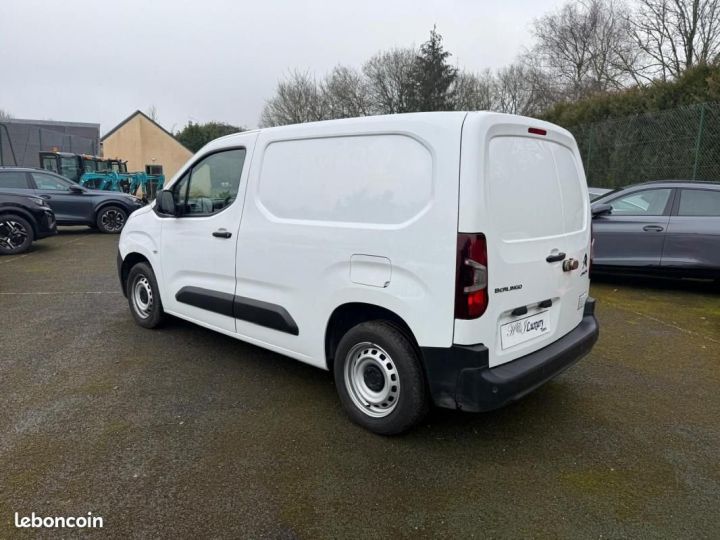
pixel 601 209
pixel 166 203
pixel 76 189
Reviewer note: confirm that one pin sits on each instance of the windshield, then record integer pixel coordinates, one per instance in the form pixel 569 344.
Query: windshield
pixel 50 163
pixel 70 168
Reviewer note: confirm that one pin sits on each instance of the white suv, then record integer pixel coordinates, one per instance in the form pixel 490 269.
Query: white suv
pixel 429 257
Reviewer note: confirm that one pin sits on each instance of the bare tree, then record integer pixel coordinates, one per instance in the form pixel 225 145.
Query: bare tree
pixel 345 93
pixel 4 115
pixel 520 89
pixel 475 92
pixel 152 113
pixel 585 47
pixel 298 98
pixel 389 76
pixel 675 35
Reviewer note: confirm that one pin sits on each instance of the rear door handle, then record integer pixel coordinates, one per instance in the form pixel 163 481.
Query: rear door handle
pixel 45 197
pixel 555 257
pixel 654 228
pixel 222 234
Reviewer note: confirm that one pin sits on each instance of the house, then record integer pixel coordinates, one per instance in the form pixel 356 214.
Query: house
pixel 142 141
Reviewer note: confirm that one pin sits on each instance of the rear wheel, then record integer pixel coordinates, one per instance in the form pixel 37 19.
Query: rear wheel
pixel 16 234
pixel 379 378
pixel 111 219
pixel 144 296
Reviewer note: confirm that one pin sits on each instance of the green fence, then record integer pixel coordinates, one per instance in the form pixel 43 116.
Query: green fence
pixel 680 143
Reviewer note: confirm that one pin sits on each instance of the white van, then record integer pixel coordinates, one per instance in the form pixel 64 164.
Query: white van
pixel 428 257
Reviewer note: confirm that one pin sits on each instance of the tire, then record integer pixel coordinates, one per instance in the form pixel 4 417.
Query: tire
pixel 111 219
pixel 380 379
pixel 16 234
pixel 144 296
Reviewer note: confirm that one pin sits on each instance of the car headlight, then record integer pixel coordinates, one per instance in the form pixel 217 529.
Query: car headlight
pixel 38 201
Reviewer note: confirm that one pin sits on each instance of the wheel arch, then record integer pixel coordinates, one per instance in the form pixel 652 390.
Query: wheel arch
pixel 104 204
pixel 20 211
pixel 350 314
pixel 130 260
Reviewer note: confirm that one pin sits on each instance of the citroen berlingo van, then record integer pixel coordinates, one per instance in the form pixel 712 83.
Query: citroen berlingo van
pixel 428 258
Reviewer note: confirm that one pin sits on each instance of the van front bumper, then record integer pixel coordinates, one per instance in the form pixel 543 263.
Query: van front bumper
pixel 459 377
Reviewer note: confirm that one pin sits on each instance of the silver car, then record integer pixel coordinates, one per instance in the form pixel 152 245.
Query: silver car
pixel 668 227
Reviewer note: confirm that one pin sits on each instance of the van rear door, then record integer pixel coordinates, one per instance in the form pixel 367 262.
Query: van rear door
pixel 525 191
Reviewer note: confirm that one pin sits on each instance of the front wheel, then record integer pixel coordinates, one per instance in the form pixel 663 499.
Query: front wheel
pixel 144 296
pixel 379 378
pixel 111 219
pixel 16 234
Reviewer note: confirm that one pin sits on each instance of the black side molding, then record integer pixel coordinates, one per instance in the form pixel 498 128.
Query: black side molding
pixel 246 309
pixel 214 301
pixel 264 314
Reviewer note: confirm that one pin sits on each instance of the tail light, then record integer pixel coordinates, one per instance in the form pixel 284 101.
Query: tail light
pixel 471 276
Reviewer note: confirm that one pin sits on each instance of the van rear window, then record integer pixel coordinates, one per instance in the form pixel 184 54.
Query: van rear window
pixel 533 188
pixel 378 179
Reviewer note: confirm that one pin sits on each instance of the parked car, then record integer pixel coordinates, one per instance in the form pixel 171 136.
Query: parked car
pixel 23 219
pixel 353 245
pixel 597 192
pixel 72 203
pixel 664 227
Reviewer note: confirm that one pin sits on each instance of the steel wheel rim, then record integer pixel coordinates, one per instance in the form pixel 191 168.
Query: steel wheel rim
pixel 12 234
pixel 142 296
pixel 372 379
pixel 112 220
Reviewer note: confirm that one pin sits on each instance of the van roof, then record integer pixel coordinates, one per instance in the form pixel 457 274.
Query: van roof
pixel 444 119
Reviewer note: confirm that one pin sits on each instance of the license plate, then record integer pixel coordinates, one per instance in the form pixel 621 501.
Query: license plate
pixel 522 330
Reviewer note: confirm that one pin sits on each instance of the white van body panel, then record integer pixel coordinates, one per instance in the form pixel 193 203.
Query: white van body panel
pixel 527 193
pixel 143 236
pixel 300 246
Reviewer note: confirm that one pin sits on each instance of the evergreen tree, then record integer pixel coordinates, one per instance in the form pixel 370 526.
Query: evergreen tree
pixel 195 136
pixel 433 77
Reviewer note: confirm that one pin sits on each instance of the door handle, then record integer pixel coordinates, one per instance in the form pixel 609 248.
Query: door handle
pixel 222 234
pixel 45 197
pixel 654 228
pixel 556 257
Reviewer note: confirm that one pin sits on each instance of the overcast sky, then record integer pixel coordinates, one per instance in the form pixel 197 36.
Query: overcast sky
pixel 202 60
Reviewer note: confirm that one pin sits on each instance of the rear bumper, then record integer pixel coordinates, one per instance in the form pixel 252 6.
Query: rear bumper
pixel 459 377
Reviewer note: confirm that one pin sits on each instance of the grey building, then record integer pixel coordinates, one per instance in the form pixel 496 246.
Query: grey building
pixel 22 140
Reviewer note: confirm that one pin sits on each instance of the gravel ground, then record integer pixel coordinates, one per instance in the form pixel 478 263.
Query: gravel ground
pixel 182 432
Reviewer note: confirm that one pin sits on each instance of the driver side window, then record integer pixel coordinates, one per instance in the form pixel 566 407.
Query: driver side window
pixel 211 185
pixel 650 202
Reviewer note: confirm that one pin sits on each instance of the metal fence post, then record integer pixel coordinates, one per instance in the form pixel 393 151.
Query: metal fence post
pixel 698 140
pixel 589 151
